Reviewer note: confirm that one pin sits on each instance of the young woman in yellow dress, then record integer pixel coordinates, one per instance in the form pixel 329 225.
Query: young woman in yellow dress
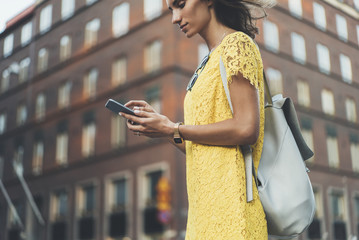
pixel 211 134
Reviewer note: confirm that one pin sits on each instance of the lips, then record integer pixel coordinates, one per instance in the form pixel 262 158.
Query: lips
pixel 183 27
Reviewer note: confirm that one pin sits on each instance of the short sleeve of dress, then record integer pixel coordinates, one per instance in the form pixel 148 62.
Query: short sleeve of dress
pixel 241 55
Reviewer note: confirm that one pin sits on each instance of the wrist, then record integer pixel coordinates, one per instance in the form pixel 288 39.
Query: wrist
pixel 177 138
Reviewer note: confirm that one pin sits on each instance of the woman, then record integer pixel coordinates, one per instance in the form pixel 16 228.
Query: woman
pixel 215 166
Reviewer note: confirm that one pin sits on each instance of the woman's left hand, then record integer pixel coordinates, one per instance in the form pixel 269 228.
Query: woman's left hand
pixel 147 121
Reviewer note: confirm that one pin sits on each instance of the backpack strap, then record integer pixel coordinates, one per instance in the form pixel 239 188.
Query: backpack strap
pixel 246 149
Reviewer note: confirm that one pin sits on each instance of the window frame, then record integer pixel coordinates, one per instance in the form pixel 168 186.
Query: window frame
pixel 299 53
pixel 271 36
pixel 26 34
pixel 323 53
pixel 8 46
pixel 346 68
pixel 341 27
pixel 121 16
pixel 153 56
pixel 45 19
pixel 152 10
pixel 319 15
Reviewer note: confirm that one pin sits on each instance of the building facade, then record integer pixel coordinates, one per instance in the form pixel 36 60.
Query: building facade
pixel 60 61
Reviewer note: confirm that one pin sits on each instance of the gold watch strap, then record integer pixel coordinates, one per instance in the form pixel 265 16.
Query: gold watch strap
pixel 177 136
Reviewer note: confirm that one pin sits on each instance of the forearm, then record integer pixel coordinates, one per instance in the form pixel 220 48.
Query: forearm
pixel 228 132
pixel 181 146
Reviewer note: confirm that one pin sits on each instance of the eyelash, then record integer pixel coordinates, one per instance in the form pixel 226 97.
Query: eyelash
pixel 181 5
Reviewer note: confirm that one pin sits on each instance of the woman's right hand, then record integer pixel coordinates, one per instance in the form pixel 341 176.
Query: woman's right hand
pixel 147 121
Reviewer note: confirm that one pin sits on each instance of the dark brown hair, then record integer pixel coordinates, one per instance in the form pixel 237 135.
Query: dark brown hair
pixel 236 14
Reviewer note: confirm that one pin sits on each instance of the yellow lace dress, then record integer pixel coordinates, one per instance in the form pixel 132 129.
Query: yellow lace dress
pixel 215 174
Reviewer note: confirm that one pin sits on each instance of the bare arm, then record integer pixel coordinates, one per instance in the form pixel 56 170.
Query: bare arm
pixel 181 146
pixel 242 129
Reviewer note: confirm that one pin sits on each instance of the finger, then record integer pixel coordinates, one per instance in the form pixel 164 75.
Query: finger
pixel 143 114
pixel 130 117
pixel 145 109
pixel 133 103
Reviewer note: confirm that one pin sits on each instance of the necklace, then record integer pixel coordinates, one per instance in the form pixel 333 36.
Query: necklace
pixel 202 65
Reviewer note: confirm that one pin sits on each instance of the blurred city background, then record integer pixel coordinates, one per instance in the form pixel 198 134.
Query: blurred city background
pixel 90 178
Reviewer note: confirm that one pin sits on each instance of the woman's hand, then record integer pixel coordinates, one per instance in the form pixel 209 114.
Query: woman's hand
pixel 147 121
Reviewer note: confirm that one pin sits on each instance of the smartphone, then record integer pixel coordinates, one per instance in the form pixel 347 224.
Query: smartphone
pixel 117 107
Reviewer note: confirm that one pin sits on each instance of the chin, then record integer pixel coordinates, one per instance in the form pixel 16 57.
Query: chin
pixel 189 34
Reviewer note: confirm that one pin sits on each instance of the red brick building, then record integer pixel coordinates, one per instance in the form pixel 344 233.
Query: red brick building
pixel 61 60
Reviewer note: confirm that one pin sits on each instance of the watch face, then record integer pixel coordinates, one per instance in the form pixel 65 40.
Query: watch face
pixel 177 140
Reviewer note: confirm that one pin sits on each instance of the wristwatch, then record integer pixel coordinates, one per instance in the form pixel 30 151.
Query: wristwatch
pixel 176 136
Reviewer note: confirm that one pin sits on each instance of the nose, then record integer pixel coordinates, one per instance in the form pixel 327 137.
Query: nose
pixel 176 17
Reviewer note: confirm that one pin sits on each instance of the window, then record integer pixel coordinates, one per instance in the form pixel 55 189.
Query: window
pixel 119 131
pixel 63 99
pixel 38 155
pixel 87 200
pixel 5 80
pixel 307 132
pixel 323 58
pixel 271 36
pixel 65 47
pixel 342 28
pixel 59 212
pixel 88 134
pixel 45 19
pixel 153 98
pixel 90 83
pixel 275 81
pixel 356 212
pixel 152 179
pixel 314 230
pixel 358 33
pixel 89 2
pixel 332 150
pixel 356 5
pixel 303 93
pixel 152 9
pixel 20 210
pixel 339 215
pixel 319 16
pixel 40 108
pixel 8 45
pixel 153 56
pixel 21 115
pixel 24 69
pixel 43 58
pixel 19 154
pixel 67 9
pixel 118 204
pixel 202 52
pixel 350 108
pixel 91 32
pixel 26 32
pixel 59 206
pixel 62 140
pixel 86 212
pixel 298 48
pixel 119 71
pixel 88 139
pixel 121 19
pixel 346 68
pixel 295 7
pixel 354 152
pixel 1 165
pixel 332 147
pixel 2 122
pixel 328 106
pixel 118 194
